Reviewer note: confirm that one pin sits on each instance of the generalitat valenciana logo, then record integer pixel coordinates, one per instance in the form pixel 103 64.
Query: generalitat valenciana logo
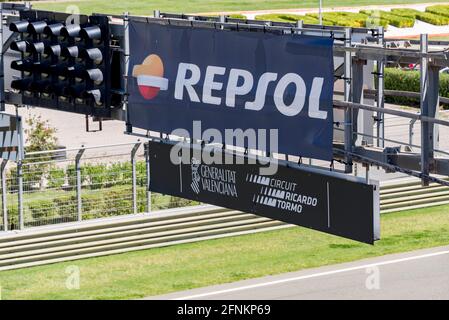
pixel 150 77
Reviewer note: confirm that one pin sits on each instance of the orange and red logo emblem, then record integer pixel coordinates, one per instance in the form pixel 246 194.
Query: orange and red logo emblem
pixel 150 77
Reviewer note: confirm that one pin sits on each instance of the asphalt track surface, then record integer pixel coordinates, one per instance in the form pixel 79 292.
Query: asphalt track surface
pixel 422 274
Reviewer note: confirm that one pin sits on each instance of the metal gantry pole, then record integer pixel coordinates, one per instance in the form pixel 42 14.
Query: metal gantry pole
pixel 4 195
pixel 347 98
pixel 356 94
pixel 126 55
pixel 380 124
pixel 2 71
pixel 79 202
pixel 134 176
pixel 320 12
pixel 425 147
pixel 148 168
pixel 299 25
pixel 20 193
pixel 411 132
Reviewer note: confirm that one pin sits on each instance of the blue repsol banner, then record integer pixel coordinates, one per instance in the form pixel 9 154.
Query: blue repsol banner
pixel 233 80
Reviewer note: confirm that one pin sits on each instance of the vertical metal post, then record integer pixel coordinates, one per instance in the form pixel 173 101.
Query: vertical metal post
pixel 4 195
pixel 20 193
pixel 347 98
pixel 79 202
pixel 126 55
pixel 157 13
pixel 299 25
pixel 411 133
pixel 2 71
pixel 380 124
pixel 367 174
pixel 20 157
pixel 320 12
pixel 148 168
pixel 433 103
pixel 134 176
pixel 356 94
pixel 425 133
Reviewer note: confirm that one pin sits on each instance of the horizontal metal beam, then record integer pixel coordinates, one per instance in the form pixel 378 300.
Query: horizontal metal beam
pixel 392 161
pixel 405 94
pixel 378 53
pixel 343 105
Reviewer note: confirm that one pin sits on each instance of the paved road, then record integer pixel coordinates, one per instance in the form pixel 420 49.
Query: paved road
pixel 421 274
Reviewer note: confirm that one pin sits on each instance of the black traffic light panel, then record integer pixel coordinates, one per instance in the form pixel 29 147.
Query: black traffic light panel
pixel 64 66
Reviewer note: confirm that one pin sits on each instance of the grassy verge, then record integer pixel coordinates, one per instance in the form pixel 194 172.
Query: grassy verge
pixel 145 7
pixel 163 270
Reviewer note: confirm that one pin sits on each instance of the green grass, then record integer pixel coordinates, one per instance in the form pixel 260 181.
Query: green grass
pixel 163 270
pixel 146 7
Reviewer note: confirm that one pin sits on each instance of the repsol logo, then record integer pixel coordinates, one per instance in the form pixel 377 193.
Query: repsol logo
pixel 240 82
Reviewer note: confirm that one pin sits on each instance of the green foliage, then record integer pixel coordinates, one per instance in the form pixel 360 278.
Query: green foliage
pixel 393 19
pixel 432 18
pixel 345 19
pixel 42 209
pixel 145 273
pixel 176 202
pixel 236 16
pixel 440 10
pixel 397 79
pixel 291 18
pixel 96 175
pixel 400 18
pixel 40 135
pixel 410 13
pixel 65 204
pixel 211 17
pixel 56 177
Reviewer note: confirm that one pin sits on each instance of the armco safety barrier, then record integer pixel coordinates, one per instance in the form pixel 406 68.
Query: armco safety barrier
pixel 106 236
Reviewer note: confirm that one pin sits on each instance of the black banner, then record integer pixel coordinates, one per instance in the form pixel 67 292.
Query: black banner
pixel 328 202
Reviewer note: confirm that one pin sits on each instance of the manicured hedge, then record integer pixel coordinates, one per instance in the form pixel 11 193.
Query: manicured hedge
pixel 397 79
pixel 236 16
pixel 400 18
pixel 439 9
pixel 410 13
pixel 345 19
pixel 432 18
pixel 232 16
pixel 281 17
pixel 393 19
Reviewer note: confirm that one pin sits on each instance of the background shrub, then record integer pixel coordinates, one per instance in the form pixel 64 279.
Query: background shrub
pixel 432 18
pixel 401 80
pixel 439 10
pixel 42 209
pixel 391 18
pixel 292 18
pixel 56 177
pixel 410 13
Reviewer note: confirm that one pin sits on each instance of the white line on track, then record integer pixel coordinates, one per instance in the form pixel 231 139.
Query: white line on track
pixel 320 274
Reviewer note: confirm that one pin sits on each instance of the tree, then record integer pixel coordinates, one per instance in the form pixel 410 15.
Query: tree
pixel 40 135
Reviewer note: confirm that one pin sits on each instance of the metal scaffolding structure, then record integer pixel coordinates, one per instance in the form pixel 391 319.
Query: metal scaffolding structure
pixel 354 50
